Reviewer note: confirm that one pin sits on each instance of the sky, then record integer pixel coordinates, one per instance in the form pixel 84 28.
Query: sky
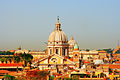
pixel 94 24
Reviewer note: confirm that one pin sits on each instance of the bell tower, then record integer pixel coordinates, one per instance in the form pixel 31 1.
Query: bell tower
pixel 76 55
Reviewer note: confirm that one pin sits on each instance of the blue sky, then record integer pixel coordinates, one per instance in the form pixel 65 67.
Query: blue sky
pixel 93 23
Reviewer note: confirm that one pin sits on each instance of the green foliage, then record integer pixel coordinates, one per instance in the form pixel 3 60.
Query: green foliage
pixel 116 71
pixel 87 50
pixel 9 77
pixel 21 57
pixel 17 59
pixel 102 74
pixel 51 78
pixel 26 57
pixel 107 50
pixel 9 58
pixel 6 53
pixel 110 71
pixel 117 52
pixel 75 77
pixel 1 59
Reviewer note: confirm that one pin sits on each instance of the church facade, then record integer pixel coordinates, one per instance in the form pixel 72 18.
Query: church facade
pixel 62 55
pixel 58 49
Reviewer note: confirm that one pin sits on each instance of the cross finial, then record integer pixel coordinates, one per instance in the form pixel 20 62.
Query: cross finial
pixel 58 18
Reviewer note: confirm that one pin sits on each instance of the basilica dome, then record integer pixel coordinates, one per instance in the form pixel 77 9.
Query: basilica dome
pixel 72 42
pixel 58 35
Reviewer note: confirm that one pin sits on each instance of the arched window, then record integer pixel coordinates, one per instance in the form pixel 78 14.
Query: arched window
pixel 75 55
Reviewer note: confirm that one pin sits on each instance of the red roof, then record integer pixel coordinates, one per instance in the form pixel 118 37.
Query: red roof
pixel 86 62
pixel 71 59
pixel 4 71
pixel 87 72
pixel 118 62
pixel 58 74
pixel 12 50
pixel 112 66
pixel 12 64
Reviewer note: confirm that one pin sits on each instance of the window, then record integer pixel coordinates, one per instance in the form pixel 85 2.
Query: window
pixel 50 51
pixel 63 52
pixel 54 60
pixel 75 55
pixel 56 51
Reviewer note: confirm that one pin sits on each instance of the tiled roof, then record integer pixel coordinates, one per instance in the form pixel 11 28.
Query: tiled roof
pixel 14 64
pixel 4 71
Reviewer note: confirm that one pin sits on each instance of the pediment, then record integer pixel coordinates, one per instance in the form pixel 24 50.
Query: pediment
pixel 56 59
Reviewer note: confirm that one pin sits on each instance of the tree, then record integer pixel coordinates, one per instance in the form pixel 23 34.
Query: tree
pixel 6 53
pixel 75 77
pixel 26 58
pixel 1 59
pixel 110 71
pixel 87 50
pixel 9 77
pixel 17 59
pixel 9 59
pixel 102 75
pixel 37 75
pixel 107 50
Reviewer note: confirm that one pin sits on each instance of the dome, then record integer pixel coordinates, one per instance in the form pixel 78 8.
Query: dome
pixel 76 47
pixel 72 41
pixel 58 36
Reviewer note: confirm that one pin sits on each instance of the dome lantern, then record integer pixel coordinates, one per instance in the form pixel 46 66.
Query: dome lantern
pixel 58 25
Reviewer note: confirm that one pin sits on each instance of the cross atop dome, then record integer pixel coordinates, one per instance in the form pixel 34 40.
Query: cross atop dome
pixel 57 18
pixel 58 25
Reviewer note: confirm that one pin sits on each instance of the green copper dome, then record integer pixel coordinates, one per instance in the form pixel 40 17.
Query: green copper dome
pixel 76 46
